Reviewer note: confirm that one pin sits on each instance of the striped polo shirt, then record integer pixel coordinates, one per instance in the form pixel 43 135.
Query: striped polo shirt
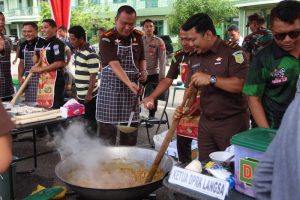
pixel 86 63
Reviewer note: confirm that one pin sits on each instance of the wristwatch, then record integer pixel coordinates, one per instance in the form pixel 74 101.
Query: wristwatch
pixel 212 80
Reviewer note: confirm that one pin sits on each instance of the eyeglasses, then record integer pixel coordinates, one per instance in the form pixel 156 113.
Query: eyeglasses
pixel 291 34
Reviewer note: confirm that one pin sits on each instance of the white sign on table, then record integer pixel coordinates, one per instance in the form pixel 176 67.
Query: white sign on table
pixel 198 182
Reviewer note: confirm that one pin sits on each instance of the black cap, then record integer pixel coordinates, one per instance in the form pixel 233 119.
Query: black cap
pixel 255 17
pixel 233 27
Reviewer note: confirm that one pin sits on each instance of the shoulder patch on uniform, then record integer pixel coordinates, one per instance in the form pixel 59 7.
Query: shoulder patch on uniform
pixel 56 49
pixel 238 56
pixel 230 44
pixel 177 53
pixel 105 39
pixel 138 32
pixel 180 51
pixel 108 33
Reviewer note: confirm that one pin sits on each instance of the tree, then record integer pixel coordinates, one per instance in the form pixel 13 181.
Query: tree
pixel 89 16
pixel 218 10
pixel 86 15
pixel 45 12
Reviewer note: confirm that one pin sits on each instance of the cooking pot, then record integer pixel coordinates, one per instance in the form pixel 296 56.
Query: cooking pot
pixel 143 155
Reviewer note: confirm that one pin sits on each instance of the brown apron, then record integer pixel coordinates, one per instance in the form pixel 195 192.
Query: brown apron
pixel 46 84
pixel 115 99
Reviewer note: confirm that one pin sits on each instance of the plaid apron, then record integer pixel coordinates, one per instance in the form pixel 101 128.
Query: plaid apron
pixel 6 84
pixel 115 99
pixel 31 89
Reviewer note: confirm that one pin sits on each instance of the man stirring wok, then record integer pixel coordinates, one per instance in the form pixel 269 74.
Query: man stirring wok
pixel 123 67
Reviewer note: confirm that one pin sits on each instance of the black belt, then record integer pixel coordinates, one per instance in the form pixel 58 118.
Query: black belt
pixel 220 118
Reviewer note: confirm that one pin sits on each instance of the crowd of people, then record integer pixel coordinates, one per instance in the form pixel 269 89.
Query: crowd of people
pixel 257 74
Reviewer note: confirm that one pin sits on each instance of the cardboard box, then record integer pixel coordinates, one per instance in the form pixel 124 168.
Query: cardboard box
pixel 72 110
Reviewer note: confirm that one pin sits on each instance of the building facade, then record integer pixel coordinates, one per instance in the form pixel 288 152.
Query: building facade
pixel 19 11
pixel 156 10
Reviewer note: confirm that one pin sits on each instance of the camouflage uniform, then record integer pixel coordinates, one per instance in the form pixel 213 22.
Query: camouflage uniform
pixel 257 40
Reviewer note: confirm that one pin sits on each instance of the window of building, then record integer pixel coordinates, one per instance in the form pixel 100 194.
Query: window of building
pixel 151 3
pixel 95 1
pixel 159 26
pixel 119 1
pixel 1 6
pixel 29 3
pixel 13 32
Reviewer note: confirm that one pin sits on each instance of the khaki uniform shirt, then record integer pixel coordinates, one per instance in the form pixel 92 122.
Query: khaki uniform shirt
pixel 155 55
pixel 226 60
pixel 109 46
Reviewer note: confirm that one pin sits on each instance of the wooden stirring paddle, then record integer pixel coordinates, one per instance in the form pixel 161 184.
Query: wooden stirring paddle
pixel 168 137
pixel 21 89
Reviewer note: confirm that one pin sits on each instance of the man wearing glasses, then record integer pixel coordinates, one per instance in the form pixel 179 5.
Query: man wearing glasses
pixel 259 37
pixel 274 71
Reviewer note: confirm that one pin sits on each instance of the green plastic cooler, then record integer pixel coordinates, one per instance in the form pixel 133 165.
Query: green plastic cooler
pixel 249 146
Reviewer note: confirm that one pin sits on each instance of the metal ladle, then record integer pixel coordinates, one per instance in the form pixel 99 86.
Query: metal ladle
pixel 128 128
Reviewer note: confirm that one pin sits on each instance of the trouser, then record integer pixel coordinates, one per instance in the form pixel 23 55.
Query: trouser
pixel 90 111
pixel 59 90
pixel 184 149
pixel 152 82
pixel 58 100
pixel 108 132
pixel 215 135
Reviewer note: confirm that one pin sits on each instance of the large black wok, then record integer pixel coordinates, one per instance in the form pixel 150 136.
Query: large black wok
pixel 143 155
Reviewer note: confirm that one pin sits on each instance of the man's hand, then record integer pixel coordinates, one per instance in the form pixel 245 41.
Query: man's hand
pixel 178 113
pixel 88 98
pixel 21 81
pixel 143 77
pixel 36 69
pixel 133 87
pixel 15 61
pixel 200 79
pixel 148 103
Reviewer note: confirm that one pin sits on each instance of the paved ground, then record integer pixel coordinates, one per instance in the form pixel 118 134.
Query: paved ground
pixel 44 173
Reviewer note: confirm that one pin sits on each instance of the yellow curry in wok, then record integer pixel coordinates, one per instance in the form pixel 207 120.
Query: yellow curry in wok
pixel 115 174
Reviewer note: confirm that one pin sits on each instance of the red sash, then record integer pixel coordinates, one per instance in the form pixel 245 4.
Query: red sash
pixel 188 125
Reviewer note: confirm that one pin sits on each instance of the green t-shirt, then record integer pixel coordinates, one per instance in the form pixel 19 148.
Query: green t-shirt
pixel 273 76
